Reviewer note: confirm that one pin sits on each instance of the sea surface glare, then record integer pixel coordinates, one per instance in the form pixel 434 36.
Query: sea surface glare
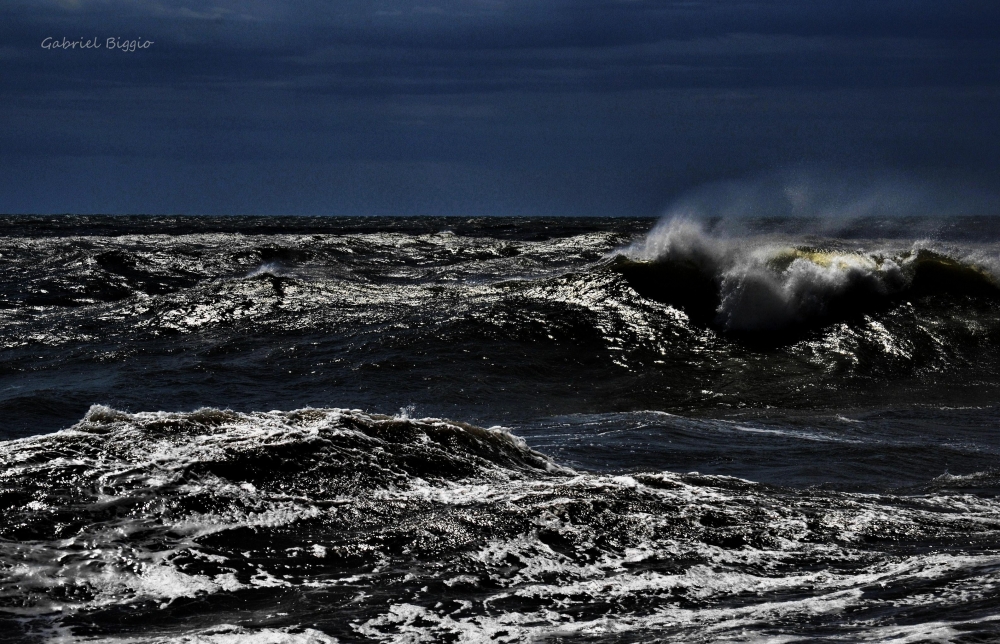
pixel 291 430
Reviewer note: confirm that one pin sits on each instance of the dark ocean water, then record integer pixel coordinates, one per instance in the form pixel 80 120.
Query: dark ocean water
pixel 499 430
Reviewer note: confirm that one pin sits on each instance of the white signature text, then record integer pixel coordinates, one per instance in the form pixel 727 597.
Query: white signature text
pixel 122 44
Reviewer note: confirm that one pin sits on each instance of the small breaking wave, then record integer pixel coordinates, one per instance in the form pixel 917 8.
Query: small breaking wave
pixel 268 269
pixel 764 284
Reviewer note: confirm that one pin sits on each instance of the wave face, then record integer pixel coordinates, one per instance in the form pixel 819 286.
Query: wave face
pixel 764 284
pixel 173 526
pixel 830 389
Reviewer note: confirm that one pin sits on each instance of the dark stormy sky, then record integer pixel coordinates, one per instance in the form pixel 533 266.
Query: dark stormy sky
pixel 486 107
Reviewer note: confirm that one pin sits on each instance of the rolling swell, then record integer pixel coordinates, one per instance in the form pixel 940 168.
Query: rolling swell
pixel 848 488
pixel 367 527
pixel 763 285
pixel 487 321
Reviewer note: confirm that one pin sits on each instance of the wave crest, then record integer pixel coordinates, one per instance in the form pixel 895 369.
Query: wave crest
pixel 766 284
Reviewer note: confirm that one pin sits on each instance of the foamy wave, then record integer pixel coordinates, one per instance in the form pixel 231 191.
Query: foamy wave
pixel 760 284
pixel 423 530
pixel 222 634
pixel 110 507
pixel 271 269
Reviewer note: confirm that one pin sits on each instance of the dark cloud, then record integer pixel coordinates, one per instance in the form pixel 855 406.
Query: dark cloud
pixel 457 106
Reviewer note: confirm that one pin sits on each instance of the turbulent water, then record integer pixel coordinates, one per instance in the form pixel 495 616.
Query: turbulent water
pixel 499 430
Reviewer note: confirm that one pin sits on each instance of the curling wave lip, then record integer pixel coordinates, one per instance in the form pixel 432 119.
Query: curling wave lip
pixel 763 285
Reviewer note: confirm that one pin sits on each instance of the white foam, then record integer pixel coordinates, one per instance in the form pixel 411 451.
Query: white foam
pixel 741 590
pixel 222 634
pixel 766 283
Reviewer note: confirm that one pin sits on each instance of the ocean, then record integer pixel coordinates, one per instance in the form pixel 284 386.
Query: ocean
pixel 314 430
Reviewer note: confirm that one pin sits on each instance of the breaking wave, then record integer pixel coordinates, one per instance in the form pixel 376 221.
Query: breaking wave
pixel 755 284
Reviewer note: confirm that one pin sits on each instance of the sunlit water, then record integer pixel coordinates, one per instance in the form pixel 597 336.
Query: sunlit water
pixel 499 430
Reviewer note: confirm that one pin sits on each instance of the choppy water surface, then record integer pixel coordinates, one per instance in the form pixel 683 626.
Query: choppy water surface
pixel 499 430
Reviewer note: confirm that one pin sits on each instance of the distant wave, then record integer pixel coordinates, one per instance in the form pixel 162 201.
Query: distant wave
pixel 761 284
pixel 405 314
